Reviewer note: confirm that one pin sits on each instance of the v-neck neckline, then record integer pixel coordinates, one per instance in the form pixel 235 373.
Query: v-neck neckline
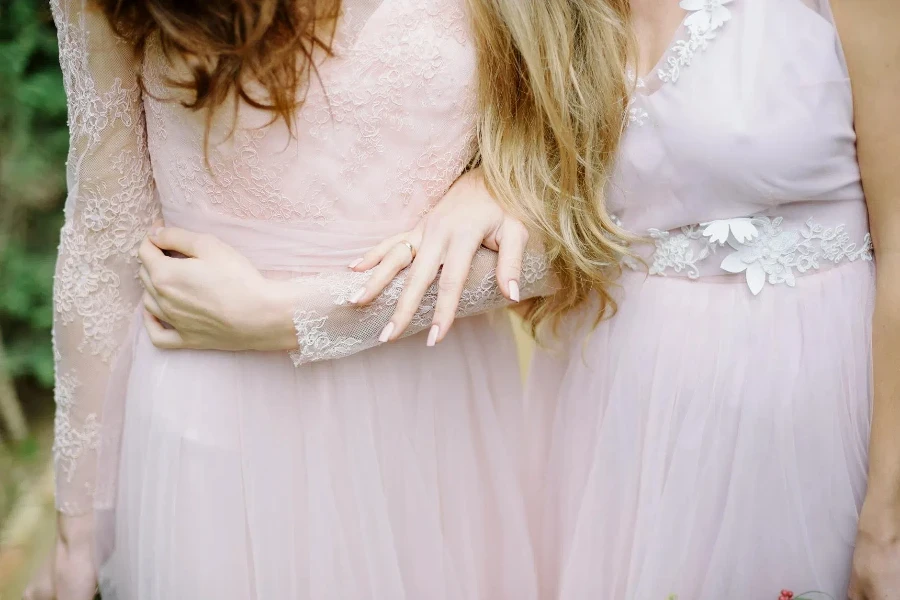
pixel 687 39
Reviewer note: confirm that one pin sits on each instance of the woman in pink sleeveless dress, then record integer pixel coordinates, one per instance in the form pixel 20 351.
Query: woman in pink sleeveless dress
pixel 388 474
pixel 711 440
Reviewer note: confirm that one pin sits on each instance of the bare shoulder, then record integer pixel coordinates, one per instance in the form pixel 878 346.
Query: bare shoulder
pixel 868 30
pixel 869 33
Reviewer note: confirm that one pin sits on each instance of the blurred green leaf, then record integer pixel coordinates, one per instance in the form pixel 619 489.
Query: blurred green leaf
pixel 27 449
pixel 33 146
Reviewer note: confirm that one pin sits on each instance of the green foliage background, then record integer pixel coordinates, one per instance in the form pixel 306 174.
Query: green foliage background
pixel 33 145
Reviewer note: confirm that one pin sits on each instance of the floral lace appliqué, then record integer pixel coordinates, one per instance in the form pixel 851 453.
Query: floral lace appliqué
pixel 315 342
pixel 412 57
pixel 705 19
pixel 760 248
pixel 637 115
pixel 776 256
pixel 111 204
pixel 107 216
pixel 347 329
pixel 679 251
pixel 71 439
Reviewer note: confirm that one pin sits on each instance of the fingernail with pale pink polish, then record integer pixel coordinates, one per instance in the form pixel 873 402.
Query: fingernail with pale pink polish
pixel 433 335
pixel 355 263
pixel 386 333
pixel 357 296
pixel 513 290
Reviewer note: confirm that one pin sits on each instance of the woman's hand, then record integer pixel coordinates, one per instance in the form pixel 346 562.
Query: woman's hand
pixel 70 572
pixel 876 558
pixel 211 297
pixel 445 240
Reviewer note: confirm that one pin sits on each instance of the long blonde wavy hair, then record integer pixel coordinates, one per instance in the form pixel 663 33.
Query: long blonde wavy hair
pixel 553 95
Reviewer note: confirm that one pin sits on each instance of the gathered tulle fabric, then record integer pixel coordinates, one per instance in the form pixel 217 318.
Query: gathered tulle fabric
pixel 390 474
pixel 705 442
pixel 709 441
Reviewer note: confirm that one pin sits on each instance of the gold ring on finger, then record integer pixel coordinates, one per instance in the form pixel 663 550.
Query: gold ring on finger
pixel 412 249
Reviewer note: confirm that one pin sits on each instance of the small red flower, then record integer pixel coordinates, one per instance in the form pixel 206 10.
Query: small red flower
pixel 786 595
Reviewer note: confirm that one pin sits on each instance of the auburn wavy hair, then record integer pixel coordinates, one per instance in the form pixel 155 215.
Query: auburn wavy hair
pixel 552 92
pixel 261 50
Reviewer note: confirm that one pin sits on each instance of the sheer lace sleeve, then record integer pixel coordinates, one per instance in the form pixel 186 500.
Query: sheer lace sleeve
pixel 329 326
pixel 110 206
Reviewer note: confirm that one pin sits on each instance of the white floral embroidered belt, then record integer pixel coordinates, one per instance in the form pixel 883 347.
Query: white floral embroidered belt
pixel 763 249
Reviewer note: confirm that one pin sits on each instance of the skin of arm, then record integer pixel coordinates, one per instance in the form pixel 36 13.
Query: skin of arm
pixel 868 29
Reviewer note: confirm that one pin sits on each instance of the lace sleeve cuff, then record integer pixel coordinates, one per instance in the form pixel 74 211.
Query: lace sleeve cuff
pixel 328 326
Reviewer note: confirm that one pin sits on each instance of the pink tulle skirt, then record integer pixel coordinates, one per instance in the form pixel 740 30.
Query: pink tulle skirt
pixel 704 442
pixel 388 475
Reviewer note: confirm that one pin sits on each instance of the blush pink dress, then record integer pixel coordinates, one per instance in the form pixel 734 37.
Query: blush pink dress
pixel 390 474
pixel 710 440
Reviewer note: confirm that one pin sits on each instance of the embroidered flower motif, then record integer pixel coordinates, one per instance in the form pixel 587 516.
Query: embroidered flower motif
pixel 710 14
pixel 706 17
pixel 677 251
pixel 760 249
pixel 775 254
pixel 345 328
pixel 72 438
pixel 314 340
pixel 637 116
pixel 718 232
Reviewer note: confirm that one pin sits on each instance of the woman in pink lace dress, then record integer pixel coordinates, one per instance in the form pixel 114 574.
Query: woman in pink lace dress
pixel 712 439
pixel 256 474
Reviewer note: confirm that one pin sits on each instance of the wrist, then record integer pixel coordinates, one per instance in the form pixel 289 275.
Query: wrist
pixel 883 481
pixel 882 493
pixel 277 331
pixel 879 520
pixel 74 531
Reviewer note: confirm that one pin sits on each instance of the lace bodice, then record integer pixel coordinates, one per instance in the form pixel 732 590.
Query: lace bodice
pixel 740 156
pixel 385 130
pixel 386 127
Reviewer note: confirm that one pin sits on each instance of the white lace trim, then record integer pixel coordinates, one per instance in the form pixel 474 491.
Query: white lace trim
pixel 349 329
pixel 637 116
pixel 760 248
pixel 111 204
pixel 705 18
pixel 72 438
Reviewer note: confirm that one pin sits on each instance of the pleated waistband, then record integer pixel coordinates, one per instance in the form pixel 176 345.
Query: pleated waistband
pixel 288 247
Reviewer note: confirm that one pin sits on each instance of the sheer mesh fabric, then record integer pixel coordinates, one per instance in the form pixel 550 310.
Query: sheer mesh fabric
pixel 823 8
pixel 356 14
pixel 340 328
pixel 110 206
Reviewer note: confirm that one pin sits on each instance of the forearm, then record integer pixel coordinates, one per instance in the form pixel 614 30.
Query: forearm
pixel 884 446
pixel 327 325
